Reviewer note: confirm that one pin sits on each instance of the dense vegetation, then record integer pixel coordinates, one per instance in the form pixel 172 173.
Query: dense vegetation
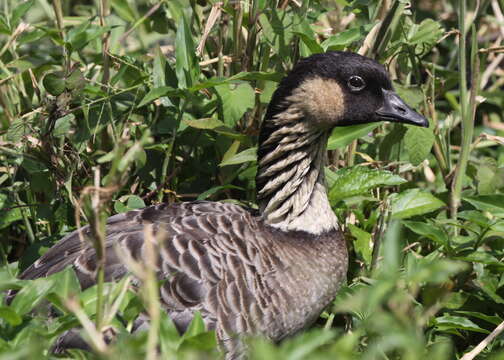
pixel 111 105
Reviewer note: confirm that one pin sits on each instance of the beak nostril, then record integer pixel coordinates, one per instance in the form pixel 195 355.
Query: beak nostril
pixel 401 109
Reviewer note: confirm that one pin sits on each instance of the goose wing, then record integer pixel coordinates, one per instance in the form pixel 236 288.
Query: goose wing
pixel 211 256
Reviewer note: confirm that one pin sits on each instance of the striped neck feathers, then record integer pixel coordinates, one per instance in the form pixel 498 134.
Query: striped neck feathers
pixel 290 181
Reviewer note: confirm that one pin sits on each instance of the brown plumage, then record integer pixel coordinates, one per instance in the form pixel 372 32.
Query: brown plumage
pixel 268 272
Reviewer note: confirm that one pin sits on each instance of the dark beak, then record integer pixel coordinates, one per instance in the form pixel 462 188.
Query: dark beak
pixel 394 109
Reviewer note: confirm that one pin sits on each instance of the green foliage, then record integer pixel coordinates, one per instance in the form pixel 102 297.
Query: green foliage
pixel 151 103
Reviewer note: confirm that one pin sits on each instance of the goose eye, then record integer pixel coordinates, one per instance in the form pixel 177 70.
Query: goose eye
pixel 356 83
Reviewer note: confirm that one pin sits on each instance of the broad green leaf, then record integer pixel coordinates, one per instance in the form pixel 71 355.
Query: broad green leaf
pixel 236 100
pixel 9 212
pixel 123 9
pixel 482 257
pixel 489 177
pixel 419 143
pixel 204 341
pixel 341 136
pixel 414 202
pixel 245 156
pixel 412 95
pixel 345 38
pixel 9 315
pixel 18 12
pixel 496 320
pixel 135 202
pixel 158 92
pixel 360 180
pixel 79 37
pixel 448 322
pixel 304 346
pixel 474 216
pixel 63 125
pixel 33 165
pixel 391 145
pixel 207 123
pixel 169 337
pixel 232 150
pixel 494 203
pixel 310 42
pixel 428 230
pixel 196 327
pixel 31 294
pixel 54 83
pixel 66 284
pixel 362 243
pixel 427 32
pixel 436 272
pixel 75 81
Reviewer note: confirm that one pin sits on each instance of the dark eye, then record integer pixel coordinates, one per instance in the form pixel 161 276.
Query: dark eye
pixel 356 83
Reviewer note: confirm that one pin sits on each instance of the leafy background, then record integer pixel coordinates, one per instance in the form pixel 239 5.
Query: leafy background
pixel 112 105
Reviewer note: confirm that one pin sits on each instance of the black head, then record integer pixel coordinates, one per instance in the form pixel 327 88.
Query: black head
pixel 341 88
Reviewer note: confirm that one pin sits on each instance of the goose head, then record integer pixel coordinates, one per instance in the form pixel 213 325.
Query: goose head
pixel 341 88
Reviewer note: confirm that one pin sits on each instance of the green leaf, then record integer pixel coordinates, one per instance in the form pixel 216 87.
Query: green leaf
pixel 427 32
pixel 245 156
pixel 360 180
pixel 54 83
pixel 345 38
pixel 305 345
pixel 419 143
pixel 33 166
pixel 343 135
pixel 414 202
pixel 80 36
pixel 18 12
pixel 123 10
pixel 390 146
pixel 428 230
pixel 187 66
pixel 63 125
pixel 489 177
pixel 482 257
pixel 158 92
pixel 135 202
pixel 494 203
pixel 66 284
pixel 159 75
pixel 448 322
pixel 8 212
pixel 362 243
pixel 236 100
pixel 196 327
pixel 31 294
pixel 207 123
pixel 310 42
pixel 9 315
pixel 75 81
pixel 204 195
pixel 436 271
pixel 412 95
pixel 496 320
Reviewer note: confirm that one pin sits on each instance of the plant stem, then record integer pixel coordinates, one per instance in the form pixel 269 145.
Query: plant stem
pixel 466 115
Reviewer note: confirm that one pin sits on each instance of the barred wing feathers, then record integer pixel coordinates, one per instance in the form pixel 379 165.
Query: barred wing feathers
pixel 214 257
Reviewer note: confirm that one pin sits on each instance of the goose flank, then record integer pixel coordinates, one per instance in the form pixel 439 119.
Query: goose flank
pixel 269 271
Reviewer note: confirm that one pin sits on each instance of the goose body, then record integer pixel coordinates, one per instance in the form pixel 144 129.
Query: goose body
pixel 269 271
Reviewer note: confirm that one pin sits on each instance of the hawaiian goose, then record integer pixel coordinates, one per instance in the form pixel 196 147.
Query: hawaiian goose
pixel 272 271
